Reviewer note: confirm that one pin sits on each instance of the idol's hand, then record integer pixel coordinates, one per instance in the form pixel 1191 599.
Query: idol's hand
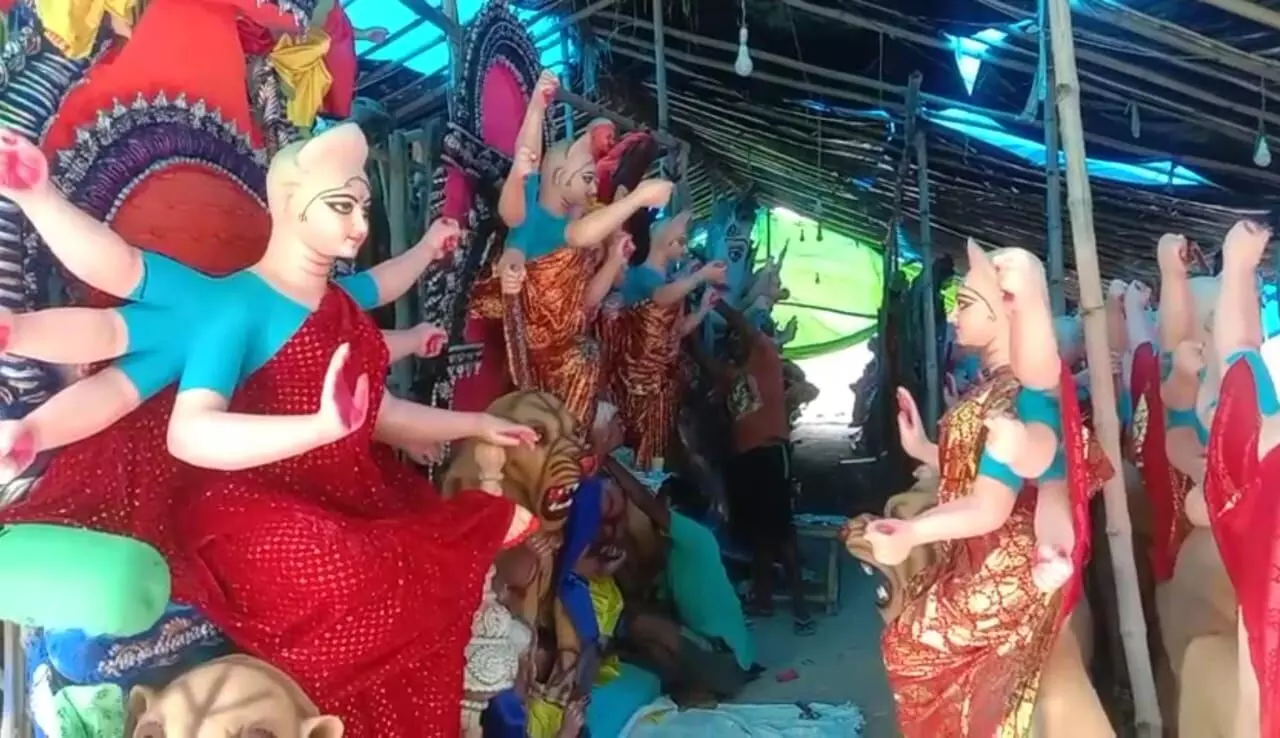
pixel 1136 297
pixel 443 237
pixel 24 170
pixel 1021 277
pixel 1006 438
pixel 714 272
pixel 621 247
pixel 503 432
pixel 511 273
pixel 1116 290
pixel 426 454
pixel 1242 248
pixel 891 540
pixel 374 35
pixel 545 90
pixel 343 406
pixel 17 449
pixel 1052 568
pixel 575 716
pixel 1174 253
pixel 430 339
pixel 910 425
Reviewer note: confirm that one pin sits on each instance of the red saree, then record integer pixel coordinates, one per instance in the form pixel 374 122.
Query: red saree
pixel 1166 487
pixel 1244 513
pixel 964 656
pixel 341 566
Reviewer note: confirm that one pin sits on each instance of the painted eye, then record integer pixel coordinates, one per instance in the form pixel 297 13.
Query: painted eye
pixel 259 732
pixel 149 729
pixel 341 207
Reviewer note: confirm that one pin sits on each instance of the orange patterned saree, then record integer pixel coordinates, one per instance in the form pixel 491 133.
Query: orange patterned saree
pixel 964 657
pixel 645 378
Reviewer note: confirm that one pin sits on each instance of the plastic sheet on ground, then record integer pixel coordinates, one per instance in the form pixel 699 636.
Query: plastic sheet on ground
pixel 662 719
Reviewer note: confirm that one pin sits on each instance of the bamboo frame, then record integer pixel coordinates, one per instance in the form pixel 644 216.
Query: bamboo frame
pixel 1133 627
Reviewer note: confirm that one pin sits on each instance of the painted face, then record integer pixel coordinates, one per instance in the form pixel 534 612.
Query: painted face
pixel 334 221
pixel 974 316
pixel 580 184
pixel 234 695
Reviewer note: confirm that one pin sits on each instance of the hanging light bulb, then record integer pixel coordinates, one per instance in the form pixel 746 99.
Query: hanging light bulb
pixel 743 65
pixel 1262 150
pixel 1135 121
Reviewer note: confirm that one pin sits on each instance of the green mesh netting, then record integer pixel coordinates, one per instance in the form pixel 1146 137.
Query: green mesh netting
pixel 836 284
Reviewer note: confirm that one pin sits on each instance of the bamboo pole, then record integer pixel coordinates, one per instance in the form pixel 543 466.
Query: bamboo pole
pixel 1053 178
pixel 397 220
pixel 1133 628
pixel 929 291
pixel 1249 10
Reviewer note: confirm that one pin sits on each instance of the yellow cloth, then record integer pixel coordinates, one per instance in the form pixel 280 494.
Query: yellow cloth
pixel 306 79
pixel 72 25
pixel 606 600
pixel 544 719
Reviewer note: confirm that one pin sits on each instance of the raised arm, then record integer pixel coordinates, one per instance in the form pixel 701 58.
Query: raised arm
pixel 1177 309
pixel 396 276
pixel 620 249
pixel 677 290
pixel 425 340
pixel 406 424
pixel 88 249
pixel 511 202
pixel 594 227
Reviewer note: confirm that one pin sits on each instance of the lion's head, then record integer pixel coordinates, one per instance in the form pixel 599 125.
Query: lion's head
pixel 543 478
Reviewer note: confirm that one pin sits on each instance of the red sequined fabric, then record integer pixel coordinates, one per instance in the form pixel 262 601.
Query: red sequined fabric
pixel 1165 486
pixel 341 566
pixel 1244 513
pixel 1087 469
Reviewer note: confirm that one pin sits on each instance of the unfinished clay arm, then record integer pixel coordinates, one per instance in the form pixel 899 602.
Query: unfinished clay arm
pixel 87 248
pixel 689 323
pixel 980 512
pixel 402 423
pixel 1034 359
pixel 678 289
pixel 1176 309
pixel 396 276
pixel 511 201
pixel 593 228
pixel 927 455
pixel 602 282
pixel 81 410
pixel 1237 322
pixel 66 335
pixel 401 344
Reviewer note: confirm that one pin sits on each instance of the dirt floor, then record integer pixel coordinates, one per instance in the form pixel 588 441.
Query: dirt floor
pixel 841 661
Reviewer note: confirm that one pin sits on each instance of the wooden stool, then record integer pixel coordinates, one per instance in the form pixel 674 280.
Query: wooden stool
pixel 830 596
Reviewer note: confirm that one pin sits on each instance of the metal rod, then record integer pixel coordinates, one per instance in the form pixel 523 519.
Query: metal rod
pixel 929 292
pixel 1251 10
pixel 446 21
pixel 1133 626
pixel 1053 176
pixel 455 42
pixel 566 82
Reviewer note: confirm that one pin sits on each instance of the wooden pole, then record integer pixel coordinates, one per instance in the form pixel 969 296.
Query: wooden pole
pixel 566 83
pixel 1248 9
pixel 455 42
pixel 1053 177
pixel 669 162
pixel 398 222
pixel 889 270
pixel 1133 628
pixel 929 292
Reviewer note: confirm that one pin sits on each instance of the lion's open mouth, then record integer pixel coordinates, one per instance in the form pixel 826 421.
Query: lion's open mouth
pixel 557 501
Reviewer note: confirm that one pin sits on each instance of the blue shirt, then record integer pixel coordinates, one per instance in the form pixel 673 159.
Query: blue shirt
pixel 541 232
pixel 701 590
pixel 210 332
